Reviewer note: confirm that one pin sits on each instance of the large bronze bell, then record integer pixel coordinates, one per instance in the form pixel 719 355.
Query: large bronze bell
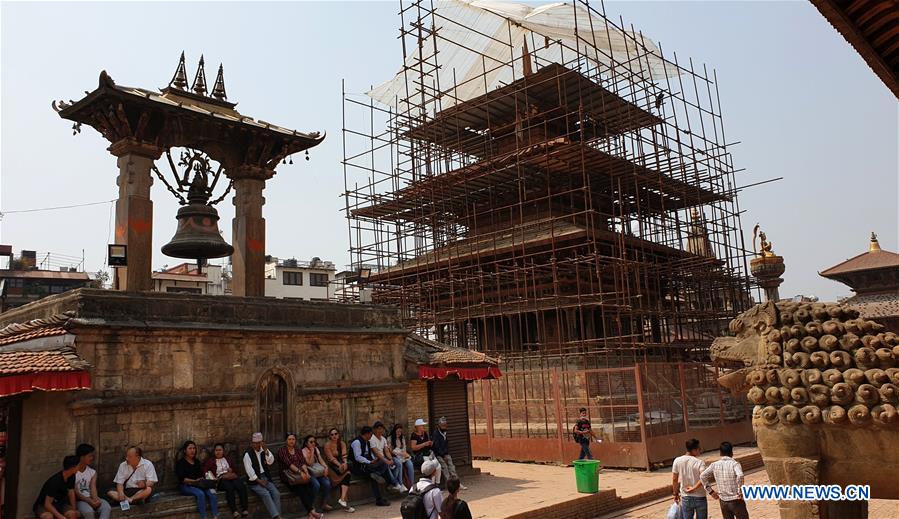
pixel 197 236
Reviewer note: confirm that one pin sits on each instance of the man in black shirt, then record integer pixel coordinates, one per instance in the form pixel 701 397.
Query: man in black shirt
pixel 583 434
pixel 420 443
pixel 57 497
pixel 440 448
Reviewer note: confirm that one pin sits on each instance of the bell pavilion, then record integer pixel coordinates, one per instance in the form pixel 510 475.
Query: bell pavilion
pixel 123 367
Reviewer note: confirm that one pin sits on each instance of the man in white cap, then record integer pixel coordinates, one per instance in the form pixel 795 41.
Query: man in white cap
pixel 427 487
pixel 258 461
pixel 441 450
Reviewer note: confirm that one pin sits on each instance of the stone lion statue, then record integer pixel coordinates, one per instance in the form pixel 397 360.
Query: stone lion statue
pixel 825 384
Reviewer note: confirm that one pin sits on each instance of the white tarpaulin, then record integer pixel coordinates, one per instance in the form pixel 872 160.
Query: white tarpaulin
pixel 474 51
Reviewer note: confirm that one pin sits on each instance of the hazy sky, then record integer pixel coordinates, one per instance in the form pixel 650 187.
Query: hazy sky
pixel 802 103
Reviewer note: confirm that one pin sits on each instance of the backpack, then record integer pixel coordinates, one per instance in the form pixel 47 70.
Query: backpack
pixel 413 505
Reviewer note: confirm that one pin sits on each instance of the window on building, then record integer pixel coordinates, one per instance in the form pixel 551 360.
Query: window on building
pixel 272 401
pixel 318 280
pixel 293 278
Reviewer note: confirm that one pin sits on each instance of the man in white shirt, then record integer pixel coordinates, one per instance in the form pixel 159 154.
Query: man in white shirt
pixel 134 479
pixel 728 475
pixel 88 502
pixel 684 475
pixel 258 461
pixel 427 486
pixel 381 451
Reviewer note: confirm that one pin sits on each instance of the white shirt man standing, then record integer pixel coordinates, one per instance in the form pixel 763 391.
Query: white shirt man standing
pixel 685 474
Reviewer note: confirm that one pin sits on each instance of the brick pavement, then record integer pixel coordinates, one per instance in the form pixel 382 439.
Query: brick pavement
pixel 877 509
pixel 513 489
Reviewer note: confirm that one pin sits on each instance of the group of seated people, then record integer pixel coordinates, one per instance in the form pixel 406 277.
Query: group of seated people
pixel 308 470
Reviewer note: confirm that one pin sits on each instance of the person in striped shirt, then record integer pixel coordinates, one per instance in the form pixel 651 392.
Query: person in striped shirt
pixel 728 476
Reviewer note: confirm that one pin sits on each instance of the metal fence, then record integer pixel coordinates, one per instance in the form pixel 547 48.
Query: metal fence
pixel 639 412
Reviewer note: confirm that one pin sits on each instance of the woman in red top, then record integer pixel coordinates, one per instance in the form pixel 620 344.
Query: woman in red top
pixel 291 459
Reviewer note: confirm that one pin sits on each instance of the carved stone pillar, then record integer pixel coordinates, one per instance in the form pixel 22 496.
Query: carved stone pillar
pixel 248 238
pixel 134 212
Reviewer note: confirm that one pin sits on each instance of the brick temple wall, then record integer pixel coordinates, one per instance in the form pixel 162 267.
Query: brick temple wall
pixel 159 383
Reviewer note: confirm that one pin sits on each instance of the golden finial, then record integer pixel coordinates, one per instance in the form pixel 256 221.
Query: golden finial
pixel 874 245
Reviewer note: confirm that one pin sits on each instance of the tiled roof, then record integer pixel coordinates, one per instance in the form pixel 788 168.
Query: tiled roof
pixel 18 356
pixel 874 259
pixel 19 332
pixel 62 359
pixel 424 351
pixel 873 306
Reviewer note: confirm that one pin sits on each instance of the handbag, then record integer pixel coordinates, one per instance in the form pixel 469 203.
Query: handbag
pixel 295 478
pixel 317 470
pixel 205 484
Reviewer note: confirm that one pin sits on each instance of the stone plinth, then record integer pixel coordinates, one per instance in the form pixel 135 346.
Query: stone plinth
pixel 768 269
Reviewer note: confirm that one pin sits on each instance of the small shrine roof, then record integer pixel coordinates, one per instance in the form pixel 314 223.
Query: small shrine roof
pixel 423 351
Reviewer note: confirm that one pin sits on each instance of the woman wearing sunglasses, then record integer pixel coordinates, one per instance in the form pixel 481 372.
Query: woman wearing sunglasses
pixel 321 484
pixel 336 455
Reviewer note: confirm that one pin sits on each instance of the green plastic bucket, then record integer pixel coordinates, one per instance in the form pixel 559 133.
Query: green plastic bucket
pixel 586 473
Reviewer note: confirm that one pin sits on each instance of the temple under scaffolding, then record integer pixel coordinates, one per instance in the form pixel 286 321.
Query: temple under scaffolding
pixel 545 186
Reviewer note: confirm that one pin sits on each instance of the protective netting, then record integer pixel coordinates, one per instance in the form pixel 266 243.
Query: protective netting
pixel 475 46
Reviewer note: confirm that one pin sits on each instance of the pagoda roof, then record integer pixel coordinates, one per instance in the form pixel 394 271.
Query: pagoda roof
pixel 172 117
pixel 555 90
pixel 870 260
pixel 455 190
pixel 527 238
pixel 872 28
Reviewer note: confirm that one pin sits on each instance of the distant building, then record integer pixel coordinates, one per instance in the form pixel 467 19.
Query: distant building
pixel 874 277
pixel 303 280
pixel 186 278
pixel 23 280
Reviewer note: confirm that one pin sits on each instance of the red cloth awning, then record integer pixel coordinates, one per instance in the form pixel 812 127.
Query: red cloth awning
pixel 44 381
pixel 430 372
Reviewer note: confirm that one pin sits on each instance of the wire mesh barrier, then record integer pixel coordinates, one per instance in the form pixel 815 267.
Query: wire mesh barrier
pixel 650 401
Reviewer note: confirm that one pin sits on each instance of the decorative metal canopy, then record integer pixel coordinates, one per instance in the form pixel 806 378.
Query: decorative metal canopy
pixel 177 117
pixel 143 124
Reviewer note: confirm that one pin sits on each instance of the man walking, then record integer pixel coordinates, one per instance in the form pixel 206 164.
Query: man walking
pixel 257 462
pixel 728 474
pixel 685 474
pixel 583 434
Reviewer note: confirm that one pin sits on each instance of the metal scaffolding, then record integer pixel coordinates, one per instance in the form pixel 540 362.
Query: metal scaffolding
pixel 547 187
